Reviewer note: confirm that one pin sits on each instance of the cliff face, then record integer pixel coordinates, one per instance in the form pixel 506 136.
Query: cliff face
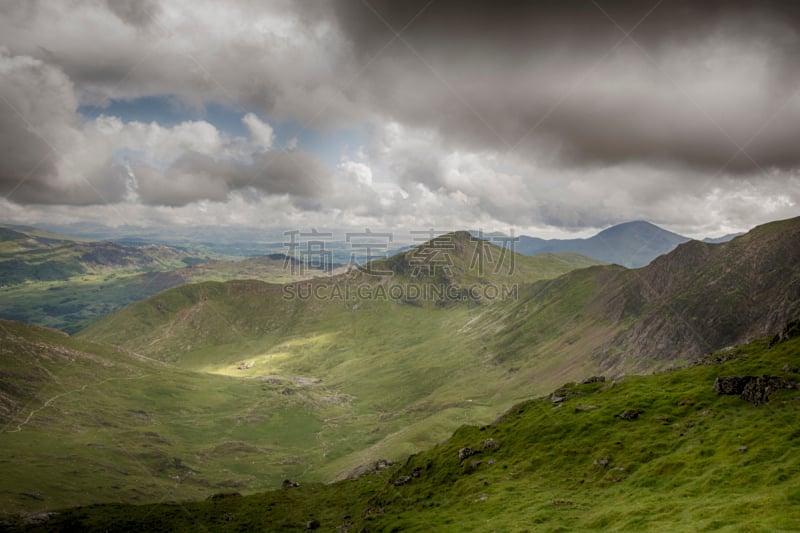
pixel 703 297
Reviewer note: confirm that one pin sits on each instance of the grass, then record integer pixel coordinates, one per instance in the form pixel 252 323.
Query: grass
pixel 692 461
pixel 326 386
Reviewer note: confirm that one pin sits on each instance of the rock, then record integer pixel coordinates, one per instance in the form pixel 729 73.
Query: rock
pixel 562 501
pixel 465 452
pixel 630 414
pixel 787 369
pixel 490 444
pixel 380 464
pixel 37 518
pixel 289 484
pixel 416 471
pixel 757 390
pixel 742 449
pixel 557 399
pixel 731 384
pixel 312 524
pixel 228 517
pixel 594 379
pixel 402 480
pixel 790 331
pixel 287 392
pixel 602 462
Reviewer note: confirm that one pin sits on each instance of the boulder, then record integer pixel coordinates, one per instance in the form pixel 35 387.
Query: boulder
pixel 757 390
pixel 465 452
pixel 402 480
pixel 289 484
pixel 312 524
pixel 630 414
pixel 731 384
pixel 490 444
pixel 594 379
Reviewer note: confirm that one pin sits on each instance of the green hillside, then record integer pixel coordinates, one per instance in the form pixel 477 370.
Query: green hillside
pixel 83 422
pixel 656 453
pixel 250 383
pixel 245 388
pixel 67 283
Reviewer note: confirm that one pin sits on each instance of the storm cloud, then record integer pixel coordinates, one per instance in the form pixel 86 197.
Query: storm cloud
pixel 567 114
pixel 708 85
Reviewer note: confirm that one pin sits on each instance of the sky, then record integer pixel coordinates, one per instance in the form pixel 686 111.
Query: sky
pixel 550 118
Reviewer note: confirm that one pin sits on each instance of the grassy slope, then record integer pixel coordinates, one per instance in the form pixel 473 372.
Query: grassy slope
pixel 86 422
pixel 692 461
pixel 386 379
pixel 57 281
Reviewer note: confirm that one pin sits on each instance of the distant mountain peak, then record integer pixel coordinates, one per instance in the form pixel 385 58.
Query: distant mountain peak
pixel 631 244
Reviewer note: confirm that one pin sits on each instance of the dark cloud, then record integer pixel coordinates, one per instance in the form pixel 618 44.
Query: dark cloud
pixel 135 12
pixel 561 78
pixel 45 156
pixel 195 176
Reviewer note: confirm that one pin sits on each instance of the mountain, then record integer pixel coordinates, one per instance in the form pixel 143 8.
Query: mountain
pixel 724 238
pixel 697 299
pixel 29 254
pixel 652 453
pixel 632 244
pixel 238 385
pixel 247 383
pixel 66 282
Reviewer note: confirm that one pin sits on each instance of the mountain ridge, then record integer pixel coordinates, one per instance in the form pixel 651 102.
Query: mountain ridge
pixel 631 244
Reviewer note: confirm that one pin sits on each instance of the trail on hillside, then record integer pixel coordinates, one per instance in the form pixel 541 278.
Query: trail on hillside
pixel 61 395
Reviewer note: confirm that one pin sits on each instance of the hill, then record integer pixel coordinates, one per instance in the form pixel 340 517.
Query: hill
pixel 631 244
pixel 420 366
pixel 369 374
pixel 242 388
pixel 63 282
pixel 85 422
pixel 697 299
pixel 656 453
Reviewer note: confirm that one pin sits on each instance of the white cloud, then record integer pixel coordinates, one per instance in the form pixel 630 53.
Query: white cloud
pixel 260 131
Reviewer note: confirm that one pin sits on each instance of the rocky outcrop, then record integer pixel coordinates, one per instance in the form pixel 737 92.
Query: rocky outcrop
pixel 594 379
pixel 758 389
pixel 630 414
pixel 790 331
pixel 465 452
pixel 731 384
pixel 753 389
pixel 372 468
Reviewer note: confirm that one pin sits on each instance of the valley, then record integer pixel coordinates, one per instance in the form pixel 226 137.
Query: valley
pixel 238 385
